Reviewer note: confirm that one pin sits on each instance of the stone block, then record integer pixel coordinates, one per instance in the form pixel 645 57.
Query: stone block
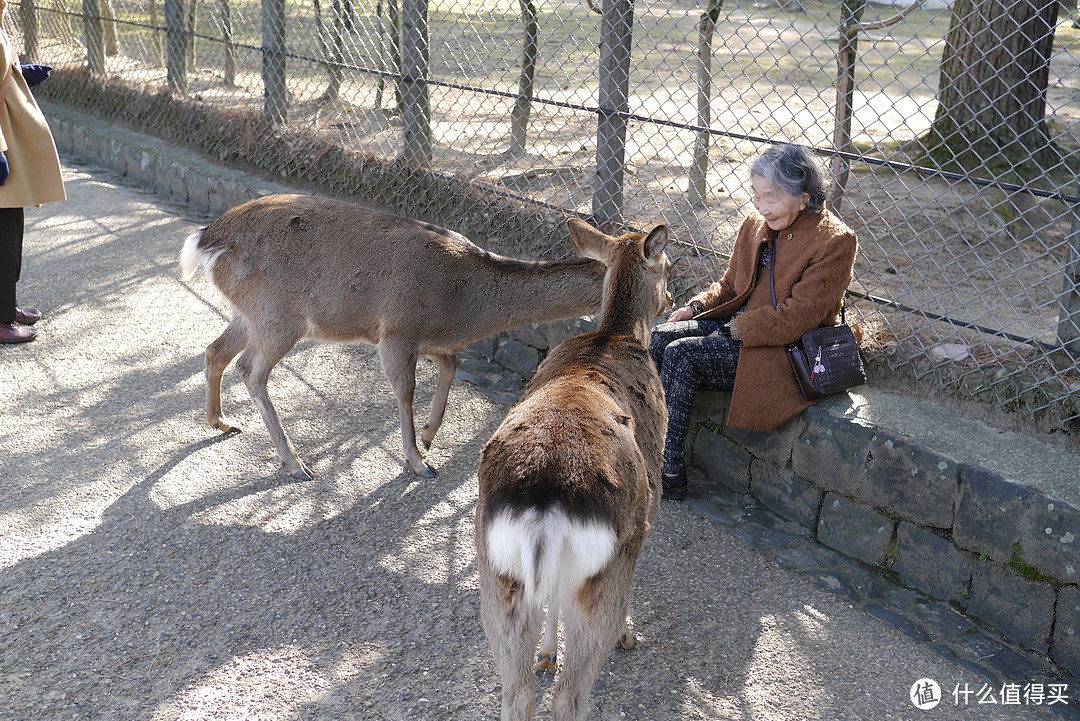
pixel 772 445
pixel 990 513
pixel 545 336
pixel 485 347
pixel 725 462
pixel 711 406
pixel 854 530
pixel 1066 646
pixel 832 452
pixel 1049 539
pixel 911 481
pixel 1022 610
pixel 930 563
pixel 198 192
pixel 782 490
pixel 520 358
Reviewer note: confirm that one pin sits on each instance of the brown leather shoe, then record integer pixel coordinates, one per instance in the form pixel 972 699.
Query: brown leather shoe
pixel 27 316
pixel 16 333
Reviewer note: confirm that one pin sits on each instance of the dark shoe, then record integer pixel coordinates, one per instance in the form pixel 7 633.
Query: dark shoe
pixel 675 487
pixel 27 316
pixel 16 333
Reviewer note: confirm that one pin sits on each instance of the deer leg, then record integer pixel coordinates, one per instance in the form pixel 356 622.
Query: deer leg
pixel 446 364
pixel 399 364
pixel 548 660
pixel 512 628
pixel 255 364
pixel 593 621
pixel 218 356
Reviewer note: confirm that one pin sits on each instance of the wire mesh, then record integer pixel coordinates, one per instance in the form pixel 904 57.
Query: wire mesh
pixel 951 130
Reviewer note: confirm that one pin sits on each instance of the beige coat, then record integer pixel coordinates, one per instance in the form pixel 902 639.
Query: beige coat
pixel 25 138
pixel 814 260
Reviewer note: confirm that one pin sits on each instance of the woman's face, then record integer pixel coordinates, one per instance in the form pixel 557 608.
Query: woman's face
pixel 777 207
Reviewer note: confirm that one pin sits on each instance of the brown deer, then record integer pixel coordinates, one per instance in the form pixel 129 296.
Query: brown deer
pixel 298 267
pixel 569 486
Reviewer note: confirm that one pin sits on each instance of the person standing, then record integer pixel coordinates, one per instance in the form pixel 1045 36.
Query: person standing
pixel 29 175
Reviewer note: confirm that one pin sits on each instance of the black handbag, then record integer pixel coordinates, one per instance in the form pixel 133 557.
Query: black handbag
pixel 826 360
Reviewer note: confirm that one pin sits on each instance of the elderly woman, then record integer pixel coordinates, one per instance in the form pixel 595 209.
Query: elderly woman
pixel 733 335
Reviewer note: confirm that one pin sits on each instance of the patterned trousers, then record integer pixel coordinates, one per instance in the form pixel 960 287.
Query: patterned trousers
pixel 690 358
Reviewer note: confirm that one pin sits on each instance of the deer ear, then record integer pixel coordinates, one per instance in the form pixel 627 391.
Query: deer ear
pixel 655 243
pixel 588 241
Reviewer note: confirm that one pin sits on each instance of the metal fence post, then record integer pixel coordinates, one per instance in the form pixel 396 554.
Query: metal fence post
pixel 1068 329
pixel 275 94
pixel 94 33
pixel 175 46
pixel 616 36
pixel 415 105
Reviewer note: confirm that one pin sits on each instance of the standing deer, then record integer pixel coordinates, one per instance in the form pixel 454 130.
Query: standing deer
pixel 569 486
pixel 298 267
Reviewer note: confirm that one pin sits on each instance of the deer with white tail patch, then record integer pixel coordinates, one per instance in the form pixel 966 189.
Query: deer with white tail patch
pixel 298 267
pixel 570 485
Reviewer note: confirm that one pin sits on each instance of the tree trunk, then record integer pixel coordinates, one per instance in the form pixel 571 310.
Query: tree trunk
pixel 845 96
pixel 994 74
pixel 696 185
pixel 229 70
pixel 275 94
pixel 415 105
pixel 29 19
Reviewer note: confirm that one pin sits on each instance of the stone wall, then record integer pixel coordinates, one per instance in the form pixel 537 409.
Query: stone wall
pixel 989 545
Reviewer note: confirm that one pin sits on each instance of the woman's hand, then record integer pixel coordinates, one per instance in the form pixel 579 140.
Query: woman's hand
pixel 681 314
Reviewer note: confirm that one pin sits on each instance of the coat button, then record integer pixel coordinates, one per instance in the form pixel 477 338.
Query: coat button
pixel 789 236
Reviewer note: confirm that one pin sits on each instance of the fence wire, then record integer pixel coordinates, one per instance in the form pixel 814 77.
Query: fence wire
pixel 951 129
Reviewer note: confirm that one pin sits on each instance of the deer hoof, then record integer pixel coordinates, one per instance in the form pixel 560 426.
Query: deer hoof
pixel 547 662
pixel 627 640
pixel 425 470
pixel 302 473
pixel 224 426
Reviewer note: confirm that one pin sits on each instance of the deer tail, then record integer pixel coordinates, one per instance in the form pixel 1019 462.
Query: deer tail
pixel 551 553
pixel 192 256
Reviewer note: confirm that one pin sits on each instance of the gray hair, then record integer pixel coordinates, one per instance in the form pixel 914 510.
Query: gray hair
pixel 792 169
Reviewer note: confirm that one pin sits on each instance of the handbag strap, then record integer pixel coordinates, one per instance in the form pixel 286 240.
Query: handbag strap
pixel 772 263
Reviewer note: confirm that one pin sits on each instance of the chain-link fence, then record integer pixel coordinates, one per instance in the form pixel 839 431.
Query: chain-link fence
pixel 951 129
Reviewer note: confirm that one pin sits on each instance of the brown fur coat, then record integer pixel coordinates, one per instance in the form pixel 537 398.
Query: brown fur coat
pixel 814 260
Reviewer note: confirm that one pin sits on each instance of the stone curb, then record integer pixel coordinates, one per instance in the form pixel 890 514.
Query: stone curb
pixel 962 534
pixel 153 164
pixel 963 640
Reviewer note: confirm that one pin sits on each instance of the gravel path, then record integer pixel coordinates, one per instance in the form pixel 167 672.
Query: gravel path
pixel 151 568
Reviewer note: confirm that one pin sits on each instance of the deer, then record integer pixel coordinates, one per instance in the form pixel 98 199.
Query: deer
pixel 297 266
pixel 569 486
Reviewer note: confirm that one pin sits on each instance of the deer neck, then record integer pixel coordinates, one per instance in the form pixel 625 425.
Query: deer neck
pixel 626 305
pixel 523 292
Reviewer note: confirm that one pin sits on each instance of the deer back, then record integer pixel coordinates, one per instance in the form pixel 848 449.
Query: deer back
pixel 587 436
pixel 356 274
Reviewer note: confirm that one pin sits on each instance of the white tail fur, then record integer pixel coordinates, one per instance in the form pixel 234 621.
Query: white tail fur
pixel 569 486
pixel 191 257
pixel 299 267
pixel 548 551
